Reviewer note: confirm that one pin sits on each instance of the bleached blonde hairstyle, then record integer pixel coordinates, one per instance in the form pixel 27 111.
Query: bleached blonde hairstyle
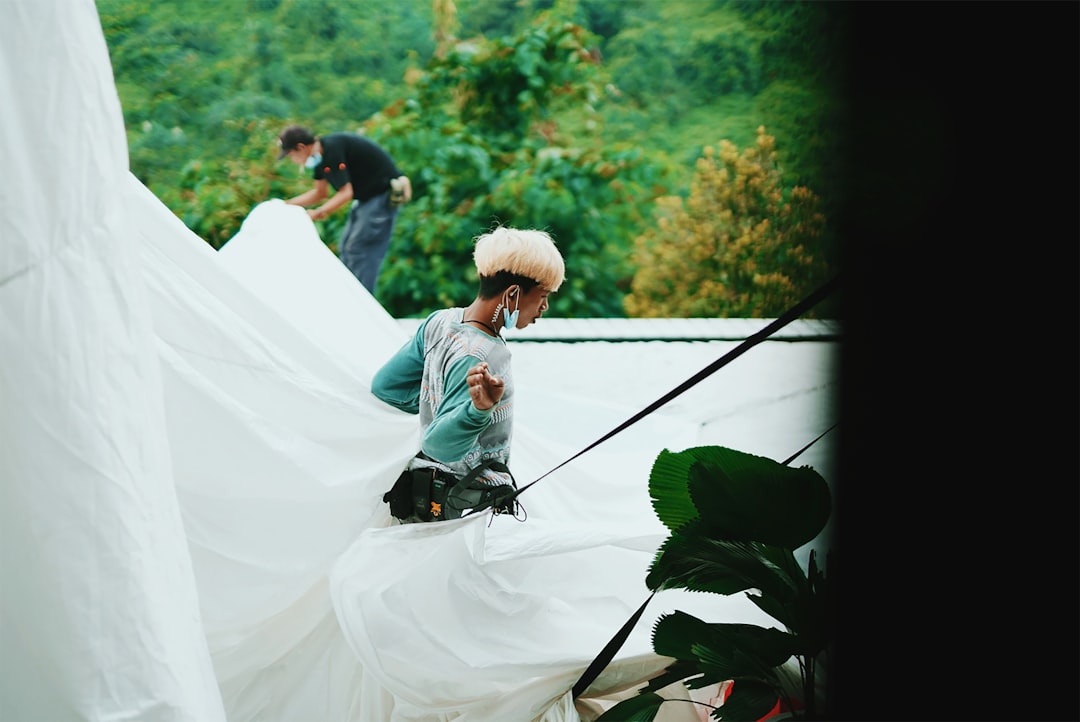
pixel 520 252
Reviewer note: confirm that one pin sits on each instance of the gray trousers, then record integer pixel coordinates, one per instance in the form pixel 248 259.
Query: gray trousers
pixel 366 238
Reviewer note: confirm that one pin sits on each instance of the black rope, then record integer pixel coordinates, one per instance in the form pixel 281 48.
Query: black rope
pixel 612 647
pixel 798 453
pixel 608 652
pixel 787 317
pixel 602 659
pixel 615 644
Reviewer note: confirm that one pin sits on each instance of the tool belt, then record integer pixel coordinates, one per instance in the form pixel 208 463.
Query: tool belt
pixel 431 494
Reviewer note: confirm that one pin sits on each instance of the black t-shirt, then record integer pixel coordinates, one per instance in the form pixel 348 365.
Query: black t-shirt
pixel 348 157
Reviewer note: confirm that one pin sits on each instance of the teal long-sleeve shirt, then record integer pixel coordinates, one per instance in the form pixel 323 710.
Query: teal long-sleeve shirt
pixel 427 376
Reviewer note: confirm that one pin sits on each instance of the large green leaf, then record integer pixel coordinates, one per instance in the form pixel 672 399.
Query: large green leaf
pixel 640 708
pixel 725 650
pixel 812 613
pixel 709 653
pixel 749 700
pixel 731 651
pixel 739 496
pixel 735 521
pixel 675 633
pixel 669 486
pixel 681 670
pixel 691 559
pixel 751 498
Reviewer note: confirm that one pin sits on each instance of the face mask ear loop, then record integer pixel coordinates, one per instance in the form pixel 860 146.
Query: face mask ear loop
pixel 510 319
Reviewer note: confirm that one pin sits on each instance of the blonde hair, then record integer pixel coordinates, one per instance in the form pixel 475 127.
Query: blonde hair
pixel 527 253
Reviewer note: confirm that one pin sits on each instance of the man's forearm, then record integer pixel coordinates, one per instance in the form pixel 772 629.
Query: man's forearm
pixel 339 199
pixel 305 199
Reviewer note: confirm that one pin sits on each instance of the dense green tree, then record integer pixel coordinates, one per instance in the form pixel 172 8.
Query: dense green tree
pixel 479 133
pixel 518 119
pixel 482 131
pixel 741 245
pixel 184 68
pixel 498 18
pixel 607 19
pixel 212 197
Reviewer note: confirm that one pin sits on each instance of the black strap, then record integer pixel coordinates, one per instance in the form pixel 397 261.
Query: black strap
pixel 787 317
pixel 798 453
pixel 604 658
pixel 496 501
pixel 793 313
pixel 608 652
pixel 494 464
pixel 613 646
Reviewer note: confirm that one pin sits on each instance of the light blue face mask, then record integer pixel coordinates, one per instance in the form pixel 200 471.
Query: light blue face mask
pixel 510 319
pixel 313 160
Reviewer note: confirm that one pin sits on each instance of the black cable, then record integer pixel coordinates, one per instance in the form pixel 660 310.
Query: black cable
pixel 608 652
pixel 603 659
pixel 798 453
pixel 787 317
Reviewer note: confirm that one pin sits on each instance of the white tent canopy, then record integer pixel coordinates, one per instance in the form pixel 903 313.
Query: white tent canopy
pixel 193 465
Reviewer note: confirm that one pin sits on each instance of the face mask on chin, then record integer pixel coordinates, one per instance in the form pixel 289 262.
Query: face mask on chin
pixel 313 160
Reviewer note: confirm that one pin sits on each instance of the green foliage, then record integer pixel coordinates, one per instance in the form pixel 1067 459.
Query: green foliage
pixel 480 138
pixel 741 245
pixel 185 68
pixel 607 19
pixel 672 58
pixel 685 73
pixel 736 520
pixel 213 197
pixel 511 103
pixel 683 484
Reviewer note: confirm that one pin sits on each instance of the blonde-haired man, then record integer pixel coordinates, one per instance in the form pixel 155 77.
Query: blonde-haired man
pixel 455 373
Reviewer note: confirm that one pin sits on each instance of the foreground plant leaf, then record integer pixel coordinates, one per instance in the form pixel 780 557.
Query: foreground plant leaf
pixel 640 708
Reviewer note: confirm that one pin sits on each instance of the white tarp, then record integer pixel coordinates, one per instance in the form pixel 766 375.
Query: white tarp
pixel 192 466
pixel 99 617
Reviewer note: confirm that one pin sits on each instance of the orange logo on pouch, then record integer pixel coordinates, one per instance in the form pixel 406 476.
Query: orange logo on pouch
pixel 436 508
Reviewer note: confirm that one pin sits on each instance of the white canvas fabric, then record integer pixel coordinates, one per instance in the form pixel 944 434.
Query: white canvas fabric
pixel 481 618
pixel 193 464
pixel 99 617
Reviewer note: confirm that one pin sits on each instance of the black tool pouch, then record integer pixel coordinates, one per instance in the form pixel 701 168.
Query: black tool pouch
pixel 429 494
pixel 472 495
pixel 419 494
pixel 400 496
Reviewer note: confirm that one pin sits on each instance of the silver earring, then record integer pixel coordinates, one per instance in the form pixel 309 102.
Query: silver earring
pixel 495 316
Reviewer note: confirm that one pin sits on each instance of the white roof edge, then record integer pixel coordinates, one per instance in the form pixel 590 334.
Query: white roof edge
pixel 662 329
